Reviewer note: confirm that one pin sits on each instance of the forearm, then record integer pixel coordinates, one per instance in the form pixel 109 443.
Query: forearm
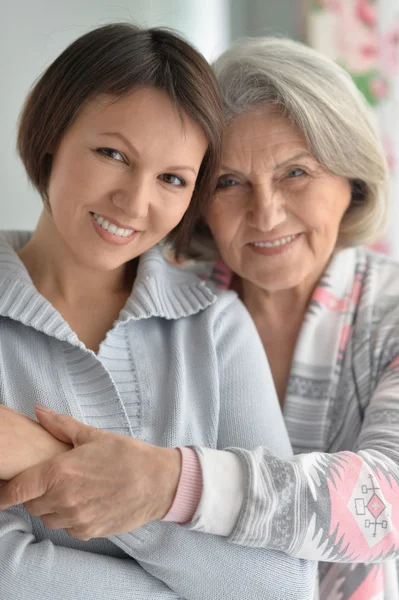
pixel 34 570
pixel 203 567
pixel 338 507
pixel 24 443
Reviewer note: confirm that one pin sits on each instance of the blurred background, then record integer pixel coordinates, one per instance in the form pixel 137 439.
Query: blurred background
pixel 363 35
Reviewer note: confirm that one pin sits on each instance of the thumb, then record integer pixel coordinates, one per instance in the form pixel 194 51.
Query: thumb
pixel 63 427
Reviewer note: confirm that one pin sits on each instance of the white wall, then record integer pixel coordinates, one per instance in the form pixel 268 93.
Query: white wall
pixel 34 32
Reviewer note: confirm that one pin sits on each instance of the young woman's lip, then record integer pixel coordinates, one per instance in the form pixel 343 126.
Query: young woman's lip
pixel 114 221
pixel 112 238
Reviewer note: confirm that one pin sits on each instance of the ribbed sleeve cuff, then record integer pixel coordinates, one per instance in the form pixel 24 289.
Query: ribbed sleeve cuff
pixel 189 489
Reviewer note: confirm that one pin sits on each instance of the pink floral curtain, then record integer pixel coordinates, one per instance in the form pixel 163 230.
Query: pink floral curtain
pixel 363 36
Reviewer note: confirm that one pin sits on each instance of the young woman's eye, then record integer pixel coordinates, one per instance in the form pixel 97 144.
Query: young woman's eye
pixel 296 173
pixel 172 179
pixel 225 181
pixel 111 153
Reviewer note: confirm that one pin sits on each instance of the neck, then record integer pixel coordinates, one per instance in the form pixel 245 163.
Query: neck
pixel 278 314
pixel 56 272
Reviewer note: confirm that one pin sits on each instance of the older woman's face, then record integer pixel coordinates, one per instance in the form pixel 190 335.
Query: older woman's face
pixel 276 212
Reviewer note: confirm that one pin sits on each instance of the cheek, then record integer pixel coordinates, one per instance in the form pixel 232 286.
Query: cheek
pixel 72 179
pixel 167 212
pixel 320 217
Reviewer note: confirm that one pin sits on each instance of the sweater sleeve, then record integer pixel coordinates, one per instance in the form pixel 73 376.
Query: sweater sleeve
pixel 339 507
pixel 203 567
pixel 32 569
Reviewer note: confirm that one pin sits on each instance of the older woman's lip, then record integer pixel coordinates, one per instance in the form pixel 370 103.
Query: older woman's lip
pixel 279 246
pixel 277 241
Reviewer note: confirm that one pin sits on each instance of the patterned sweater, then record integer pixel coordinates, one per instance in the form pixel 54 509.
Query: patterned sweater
pixel 182 365
pixel 337 500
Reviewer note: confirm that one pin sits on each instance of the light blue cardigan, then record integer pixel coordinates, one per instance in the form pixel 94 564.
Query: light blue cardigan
pixel 183 365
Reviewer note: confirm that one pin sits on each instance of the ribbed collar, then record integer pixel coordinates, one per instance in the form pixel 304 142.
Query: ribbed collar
pixel 160 290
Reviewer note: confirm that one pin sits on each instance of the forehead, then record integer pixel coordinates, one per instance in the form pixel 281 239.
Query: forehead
pixel 262 130
pixel 141 102
pixel 146 117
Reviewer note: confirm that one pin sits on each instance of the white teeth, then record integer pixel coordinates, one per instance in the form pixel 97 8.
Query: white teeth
pixel 110 227
pixel 276 243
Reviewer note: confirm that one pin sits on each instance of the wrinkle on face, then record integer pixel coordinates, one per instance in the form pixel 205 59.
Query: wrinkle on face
pixel 280 190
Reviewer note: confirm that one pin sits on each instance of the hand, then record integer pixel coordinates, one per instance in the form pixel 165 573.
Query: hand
pixel 107 484
pixel 24 443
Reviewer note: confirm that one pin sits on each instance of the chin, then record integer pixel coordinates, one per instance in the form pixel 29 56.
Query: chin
pixel 101 263
pixel 276 282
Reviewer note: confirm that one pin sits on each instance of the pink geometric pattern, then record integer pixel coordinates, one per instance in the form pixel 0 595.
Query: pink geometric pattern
pixel 376 506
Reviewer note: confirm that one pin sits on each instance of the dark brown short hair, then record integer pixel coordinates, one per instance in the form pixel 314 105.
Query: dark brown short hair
pixel 113 60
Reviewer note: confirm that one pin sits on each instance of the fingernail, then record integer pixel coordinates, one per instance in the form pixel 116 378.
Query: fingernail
pixel 42 408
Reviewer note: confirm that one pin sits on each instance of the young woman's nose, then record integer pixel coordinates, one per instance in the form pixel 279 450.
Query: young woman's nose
pixel 133 200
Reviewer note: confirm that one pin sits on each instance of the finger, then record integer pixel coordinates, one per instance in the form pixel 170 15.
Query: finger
pixel 63 427
pixel 40 506
pixel 56 521
pixel 28 485
pixel 79 534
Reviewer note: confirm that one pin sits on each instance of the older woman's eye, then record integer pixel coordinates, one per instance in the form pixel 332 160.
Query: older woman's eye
pixel 111 153
pixel 296 173
pixel 172 179
pixel 225 182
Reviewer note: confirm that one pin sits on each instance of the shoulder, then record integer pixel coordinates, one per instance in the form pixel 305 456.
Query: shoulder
pixel 379 275
pixel 377 320
pixel 381 266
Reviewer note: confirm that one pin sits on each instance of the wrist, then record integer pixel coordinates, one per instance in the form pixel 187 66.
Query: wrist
pixel 189 490
pixel 171 466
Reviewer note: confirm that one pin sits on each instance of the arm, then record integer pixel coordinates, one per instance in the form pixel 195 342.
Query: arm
pixel 195 566
pixel 32 569
pixel 340 507
pixel 200 567
pixel 24 443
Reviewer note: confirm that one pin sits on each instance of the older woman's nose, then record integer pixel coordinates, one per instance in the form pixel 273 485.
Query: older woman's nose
pixel 266 209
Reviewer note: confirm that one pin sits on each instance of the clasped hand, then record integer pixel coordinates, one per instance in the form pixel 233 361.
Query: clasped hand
pixel 90 482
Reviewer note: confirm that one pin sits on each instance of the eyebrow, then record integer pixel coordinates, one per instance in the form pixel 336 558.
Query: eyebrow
pixel 278 166
pixel 295 157
pixel 135 151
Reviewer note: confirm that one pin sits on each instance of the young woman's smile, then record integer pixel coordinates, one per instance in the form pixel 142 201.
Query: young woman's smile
pixel 111 231
pixel 122 177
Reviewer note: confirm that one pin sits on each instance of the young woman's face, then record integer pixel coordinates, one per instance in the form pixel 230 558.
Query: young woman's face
pixel 123 176
pixel 276 213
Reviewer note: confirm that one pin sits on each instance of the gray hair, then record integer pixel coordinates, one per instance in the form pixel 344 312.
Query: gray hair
pixel 321 100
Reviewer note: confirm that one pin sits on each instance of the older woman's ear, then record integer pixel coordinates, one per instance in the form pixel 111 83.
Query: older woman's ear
pixel 359 192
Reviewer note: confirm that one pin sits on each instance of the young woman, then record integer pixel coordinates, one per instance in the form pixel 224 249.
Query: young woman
pixel 123 145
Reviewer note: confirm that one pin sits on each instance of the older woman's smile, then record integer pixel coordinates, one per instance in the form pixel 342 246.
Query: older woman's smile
pixel 276 246
pixel 275 200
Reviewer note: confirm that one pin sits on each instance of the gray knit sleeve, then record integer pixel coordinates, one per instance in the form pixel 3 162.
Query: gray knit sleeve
pixel 204 567
pixel 32 570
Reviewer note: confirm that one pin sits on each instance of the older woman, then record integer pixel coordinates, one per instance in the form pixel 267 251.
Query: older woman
pixel 302 187
pixel 122 144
